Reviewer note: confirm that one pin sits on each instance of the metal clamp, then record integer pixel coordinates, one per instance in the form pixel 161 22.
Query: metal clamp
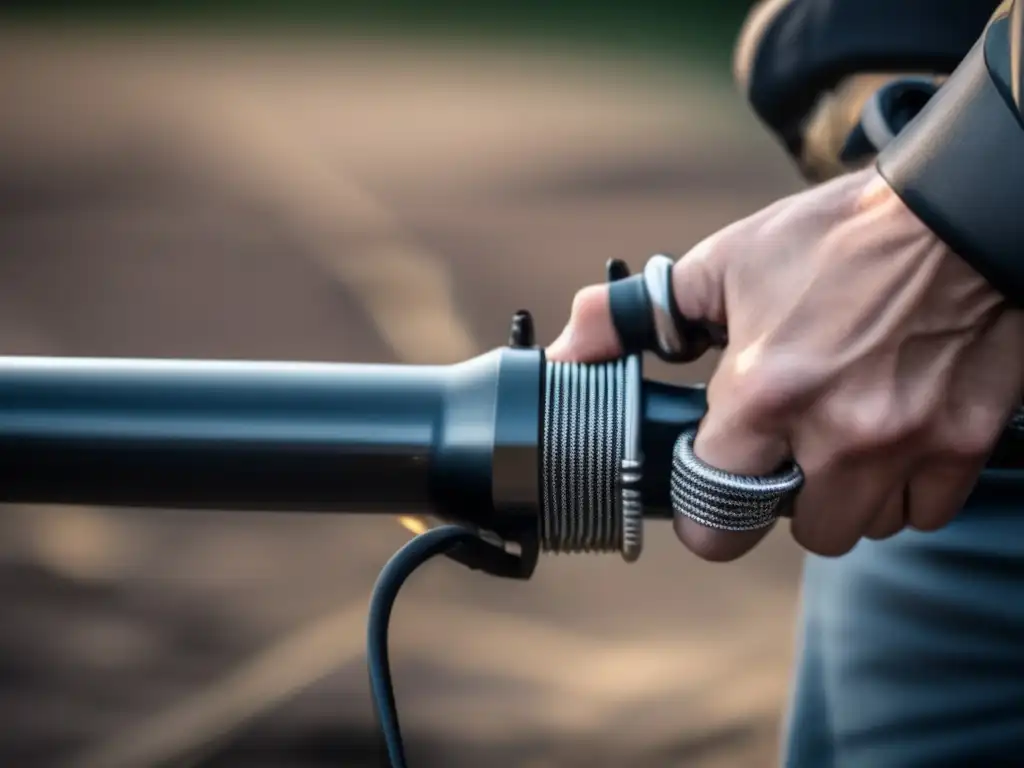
pixel 632 465
pixel 631 468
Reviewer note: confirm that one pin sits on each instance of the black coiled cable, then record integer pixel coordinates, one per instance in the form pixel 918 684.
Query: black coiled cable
pixel 399 568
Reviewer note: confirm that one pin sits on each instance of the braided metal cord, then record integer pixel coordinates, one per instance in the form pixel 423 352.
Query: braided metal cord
pixel 584 431
pixel 591 467
pixel 731 502
pixel 723 500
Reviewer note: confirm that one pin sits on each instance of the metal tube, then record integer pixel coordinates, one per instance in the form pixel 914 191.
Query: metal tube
pixel 459 441
pixel 219 434
pixel 668 411
pixel 294 436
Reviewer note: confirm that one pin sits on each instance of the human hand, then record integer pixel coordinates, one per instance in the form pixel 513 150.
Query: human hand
pixel 859 345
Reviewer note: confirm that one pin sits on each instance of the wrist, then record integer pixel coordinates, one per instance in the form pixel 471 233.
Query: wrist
pixel 961 295
pixel 960 166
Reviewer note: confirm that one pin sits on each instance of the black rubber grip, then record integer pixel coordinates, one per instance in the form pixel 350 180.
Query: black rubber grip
pixel 959 166
pixel 698 335
pixel 631 314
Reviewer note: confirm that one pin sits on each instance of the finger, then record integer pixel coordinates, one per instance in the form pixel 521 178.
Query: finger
pixel 982 399
pixel 938 491
pixel 714 545
pixel 698 278
pixel 893 517
pixel 841 499
pixel 590 335
pixel 725 442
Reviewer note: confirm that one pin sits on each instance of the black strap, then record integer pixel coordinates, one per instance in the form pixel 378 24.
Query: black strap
pixel 633 319
pixel 631 314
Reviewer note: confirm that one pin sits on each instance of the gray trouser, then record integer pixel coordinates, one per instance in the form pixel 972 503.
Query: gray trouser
pixel 912 649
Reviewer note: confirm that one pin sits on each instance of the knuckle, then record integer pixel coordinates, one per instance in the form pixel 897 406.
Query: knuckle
pixel 586 303
pixel 970 447
pixel 918 423
pixel 882 533
pixel 873 423
pixel 974 437
pixel 929 520
pixel 763 392
pixel 712 545
pixel 711 553
pixel 821 543
pixel 859 430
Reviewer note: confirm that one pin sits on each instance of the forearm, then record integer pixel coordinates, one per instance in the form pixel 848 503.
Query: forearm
pixel 959 166
pixel 808 66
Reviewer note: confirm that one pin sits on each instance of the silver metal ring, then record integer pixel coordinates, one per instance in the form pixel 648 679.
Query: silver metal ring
pixel 632 465
pixel 725 501
pixel 658 282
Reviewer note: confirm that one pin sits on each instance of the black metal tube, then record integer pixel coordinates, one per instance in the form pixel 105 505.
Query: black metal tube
pixel 668 411
pixel 217 434
pixel 458 441
pixel 261 436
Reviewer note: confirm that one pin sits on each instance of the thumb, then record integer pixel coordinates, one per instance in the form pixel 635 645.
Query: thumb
pixel 590 334
pixel 698 287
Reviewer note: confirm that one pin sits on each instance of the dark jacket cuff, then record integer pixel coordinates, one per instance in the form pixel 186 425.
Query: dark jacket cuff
pixel 959 165
pixel 792 52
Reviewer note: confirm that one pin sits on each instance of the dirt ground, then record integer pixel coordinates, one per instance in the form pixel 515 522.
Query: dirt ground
pixel 357 200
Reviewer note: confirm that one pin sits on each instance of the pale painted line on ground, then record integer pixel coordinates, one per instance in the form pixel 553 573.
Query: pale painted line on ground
pixel 405 289
pixel 623 675
pixel 271 677
pixel 80 543
pixel 602 678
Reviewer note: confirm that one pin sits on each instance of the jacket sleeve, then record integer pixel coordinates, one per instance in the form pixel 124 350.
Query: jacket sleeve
pixel 807 67
pixel 959 165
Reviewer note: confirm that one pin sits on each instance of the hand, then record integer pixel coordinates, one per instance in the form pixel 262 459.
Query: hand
pixel 859 345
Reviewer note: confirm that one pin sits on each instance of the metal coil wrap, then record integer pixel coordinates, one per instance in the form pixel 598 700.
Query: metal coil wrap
pixel 584 439
pixel 723 500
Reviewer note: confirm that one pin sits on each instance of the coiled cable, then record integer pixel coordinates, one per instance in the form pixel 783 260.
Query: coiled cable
pixel 584 435
pixel 591 461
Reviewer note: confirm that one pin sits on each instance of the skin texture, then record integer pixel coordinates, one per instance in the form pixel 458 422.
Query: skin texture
pixel 859 345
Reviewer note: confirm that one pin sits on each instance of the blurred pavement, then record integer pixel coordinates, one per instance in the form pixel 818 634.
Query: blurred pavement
pixel 366 201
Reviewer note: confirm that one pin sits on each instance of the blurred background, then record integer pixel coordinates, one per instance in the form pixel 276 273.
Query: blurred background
pixel 375 181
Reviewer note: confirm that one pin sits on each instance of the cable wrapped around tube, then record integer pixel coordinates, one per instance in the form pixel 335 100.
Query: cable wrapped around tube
pixel 584 432
pixel 591 465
